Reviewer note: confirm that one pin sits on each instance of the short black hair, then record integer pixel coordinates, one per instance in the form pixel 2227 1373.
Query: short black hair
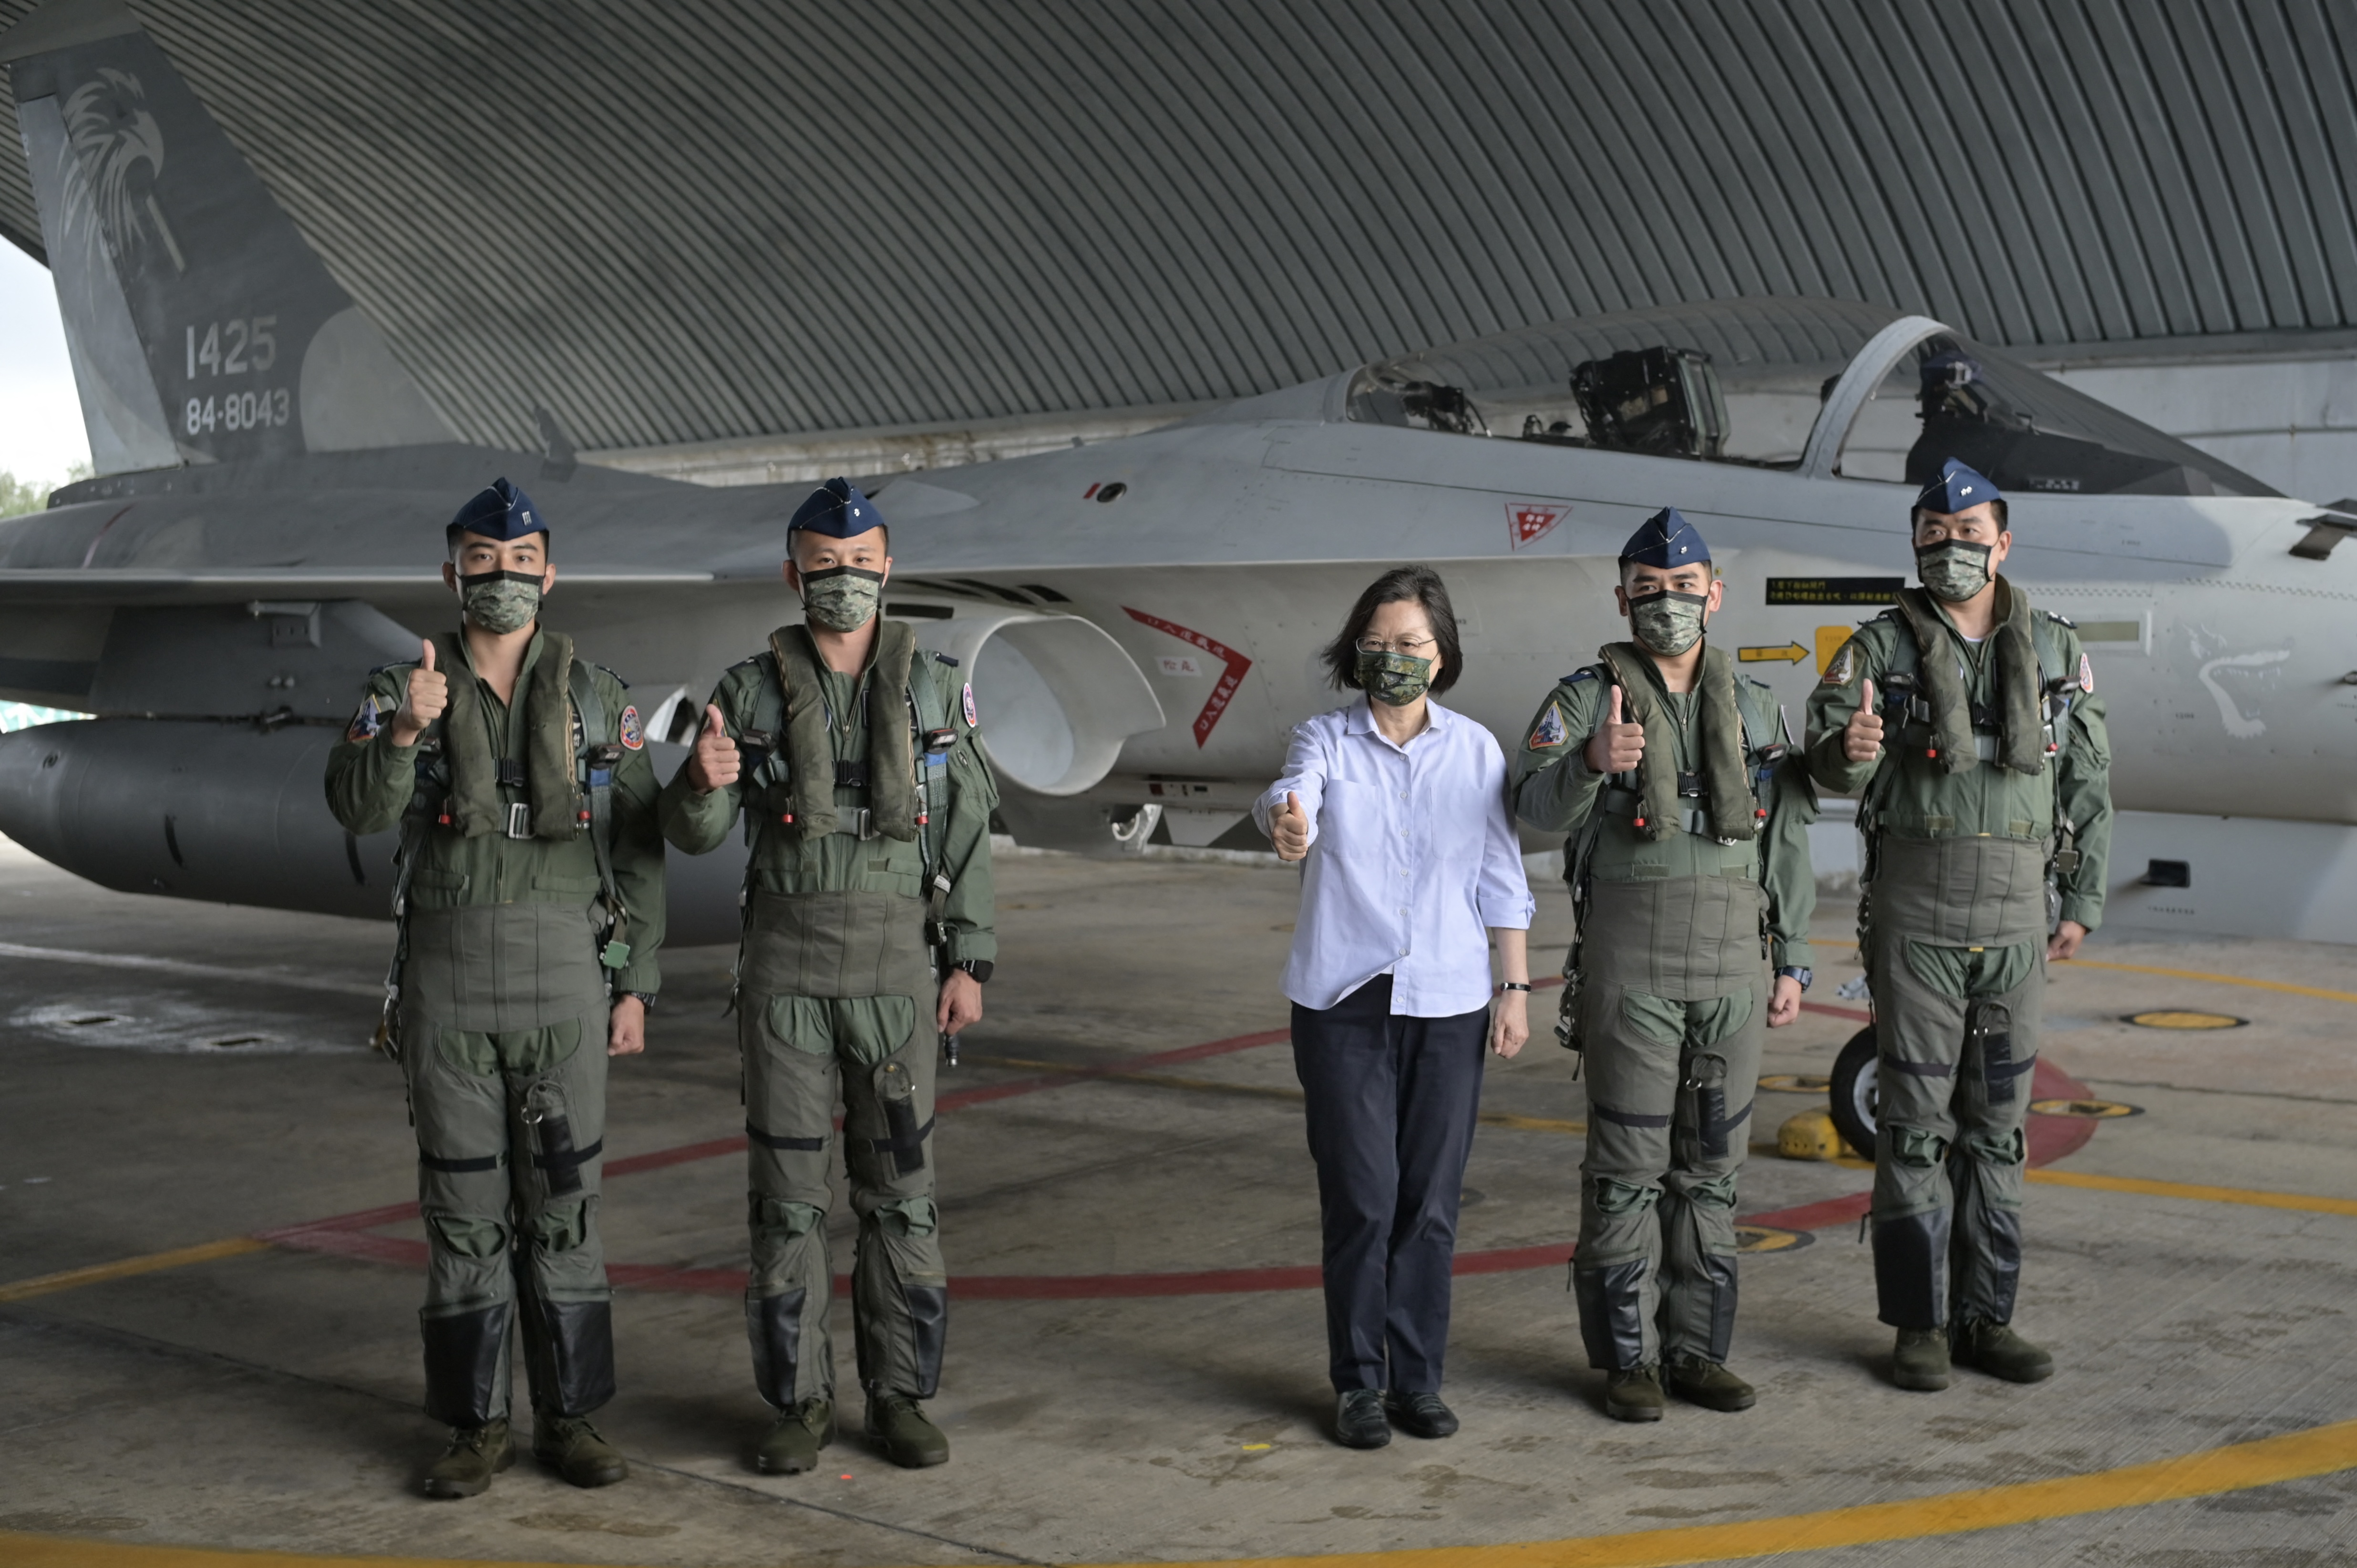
pixel 1915 517
pixel 1421 584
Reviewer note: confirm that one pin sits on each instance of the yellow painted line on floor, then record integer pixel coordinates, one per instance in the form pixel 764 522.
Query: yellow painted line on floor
pixel 2283 985
pixel 2255 1197
pixel 98 1273
pixel 2270 1461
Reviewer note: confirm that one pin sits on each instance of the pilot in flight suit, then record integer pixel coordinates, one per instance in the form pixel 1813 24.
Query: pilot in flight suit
pixel 867 932
pixel 529 901
pixel 1688 858
pixel 1967 724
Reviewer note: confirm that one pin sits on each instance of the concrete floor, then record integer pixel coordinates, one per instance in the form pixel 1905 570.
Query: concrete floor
pixel 173 1074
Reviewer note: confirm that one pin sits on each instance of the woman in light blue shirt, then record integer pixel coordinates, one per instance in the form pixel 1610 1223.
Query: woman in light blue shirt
pixel 1399 808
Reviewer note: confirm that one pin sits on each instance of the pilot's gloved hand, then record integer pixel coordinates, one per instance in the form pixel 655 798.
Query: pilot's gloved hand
pixel 714 765
pixel 428 695
pixel 1616 746
pixel 1862 736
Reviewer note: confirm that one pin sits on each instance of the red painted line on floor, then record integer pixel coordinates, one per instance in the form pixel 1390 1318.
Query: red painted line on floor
pixel 2051 1138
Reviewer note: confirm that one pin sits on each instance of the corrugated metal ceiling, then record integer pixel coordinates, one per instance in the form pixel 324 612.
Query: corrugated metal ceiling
pixel 681 223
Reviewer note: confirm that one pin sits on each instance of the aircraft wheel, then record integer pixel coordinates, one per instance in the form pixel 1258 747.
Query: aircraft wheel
pixel 1856 1080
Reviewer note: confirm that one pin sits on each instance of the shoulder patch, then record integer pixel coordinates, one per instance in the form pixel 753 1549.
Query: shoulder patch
pixel 1843 667
pixel 630 731
pixel 2086 673
pixel 949 660
pixel 1576 676
pixel 972 721
pixel 365 722
pixel 1552 731
pixel 754 658
pixel 618 679
pixel 2060 620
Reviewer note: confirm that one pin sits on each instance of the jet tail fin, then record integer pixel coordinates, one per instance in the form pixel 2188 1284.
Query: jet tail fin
pixel 202 328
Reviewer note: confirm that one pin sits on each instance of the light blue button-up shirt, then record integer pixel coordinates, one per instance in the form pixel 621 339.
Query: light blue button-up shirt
pixel 1413 859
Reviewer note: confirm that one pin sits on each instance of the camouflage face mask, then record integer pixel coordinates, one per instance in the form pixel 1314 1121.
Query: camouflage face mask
pixel 1394 679
pixel 1955 569
pixel 842 598
pixel 499 602
pixel 1668 624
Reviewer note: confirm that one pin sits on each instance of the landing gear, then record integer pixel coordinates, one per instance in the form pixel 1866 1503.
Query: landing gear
pixel 1855 1091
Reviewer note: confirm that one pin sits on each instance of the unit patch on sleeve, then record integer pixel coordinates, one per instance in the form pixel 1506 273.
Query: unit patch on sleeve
pixel 971 720
pixel 2086 673
pixel 633 733
pixel 1552 731
pixel 365 722
pixel 1843 665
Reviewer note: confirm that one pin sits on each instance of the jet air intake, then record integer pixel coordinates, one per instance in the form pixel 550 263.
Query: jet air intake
pixel 1056 697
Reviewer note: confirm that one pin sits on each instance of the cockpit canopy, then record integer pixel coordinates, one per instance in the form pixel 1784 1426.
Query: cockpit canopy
pixel 1745 381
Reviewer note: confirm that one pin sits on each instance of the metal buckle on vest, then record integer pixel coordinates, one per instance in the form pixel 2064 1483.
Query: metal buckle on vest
pixel 863 822
pixel 519 820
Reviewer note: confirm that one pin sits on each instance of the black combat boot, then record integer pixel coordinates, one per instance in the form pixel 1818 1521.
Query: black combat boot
pixel 1634 1395
pixel 1997 1350
pixel 794 1443
pixel 1708 1384
pixel 573 1449
pixel 1920 1361
pixel 896 1424
pixel 476 1453
pixel 1359 1419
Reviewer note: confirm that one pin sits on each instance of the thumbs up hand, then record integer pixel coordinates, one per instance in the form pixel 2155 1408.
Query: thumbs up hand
pixel 1862 736
pixel 713 764
pixel 428 696
pixel 1290 828
pixel 1617 746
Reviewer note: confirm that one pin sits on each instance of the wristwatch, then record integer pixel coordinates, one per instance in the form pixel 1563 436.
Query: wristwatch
pixel 1796 972
pixel 646 998
pixel 980 968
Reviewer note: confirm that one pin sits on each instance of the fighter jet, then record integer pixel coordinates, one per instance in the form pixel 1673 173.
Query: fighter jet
pixel 1140 617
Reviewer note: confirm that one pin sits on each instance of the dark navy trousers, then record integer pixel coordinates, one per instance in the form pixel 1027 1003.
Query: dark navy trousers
pixel 1392 1103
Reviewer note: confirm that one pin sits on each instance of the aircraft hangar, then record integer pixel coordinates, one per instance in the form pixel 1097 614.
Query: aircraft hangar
pixel 751 245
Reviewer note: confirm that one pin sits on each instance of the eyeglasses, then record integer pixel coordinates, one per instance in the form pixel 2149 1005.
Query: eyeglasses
pixel 1412 647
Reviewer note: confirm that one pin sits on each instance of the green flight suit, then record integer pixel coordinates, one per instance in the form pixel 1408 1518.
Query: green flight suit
pixel 503 1025
pixel 1672 1002
pixel 835 994
pixel 1952 931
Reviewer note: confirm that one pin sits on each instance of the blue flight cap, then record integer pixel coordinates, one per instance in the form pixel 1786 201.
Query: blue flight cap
pixel 1956 489
pixel 838 510
pixel 499 510
pixel 1665 540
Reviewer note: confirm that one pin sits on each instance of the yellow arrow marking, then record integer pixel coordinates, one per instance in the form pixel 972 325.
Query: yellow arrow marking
pixel 1791 653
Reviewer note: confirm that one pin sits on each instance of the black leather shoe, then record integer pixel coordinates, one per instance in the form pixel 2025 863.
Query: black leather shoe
pixel 1421 1415
pixel 1359 1419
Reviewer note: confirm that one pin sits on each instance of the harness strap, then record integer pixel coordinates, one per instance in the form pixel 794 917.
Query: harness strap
pixel 598 789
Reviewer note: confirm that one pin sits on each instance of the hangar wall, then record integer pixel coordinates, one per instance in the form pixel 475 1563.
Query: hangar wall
pixel 676 225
